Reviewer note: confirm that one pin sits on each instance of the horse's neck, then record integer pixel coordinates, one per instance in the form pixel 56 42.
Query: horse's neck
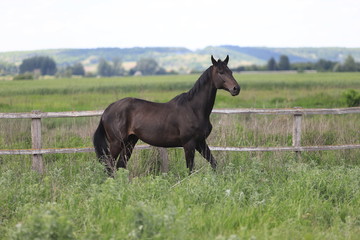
pixel 203 101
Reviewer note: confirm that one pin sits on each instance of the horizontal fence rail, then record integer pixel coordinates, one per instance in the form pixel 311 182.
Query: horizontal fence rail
pixel 275 111
pixel 297 113
pixel 213 148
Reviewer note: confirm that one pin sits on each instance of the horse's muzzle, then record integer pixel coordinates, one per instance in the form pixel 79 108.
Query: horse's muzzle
pixel 235 90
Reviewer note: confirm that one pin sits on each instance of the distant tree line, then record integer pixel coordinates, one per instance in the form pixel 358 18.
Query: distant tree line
pixel 8 69
pixel 34 67
pixel 145 66
pixel 321 65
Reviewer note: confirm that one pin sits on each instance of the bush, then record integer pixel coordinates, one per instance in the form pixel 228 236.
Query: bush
pixel 352 98
pixel 25 76
pixel 46 224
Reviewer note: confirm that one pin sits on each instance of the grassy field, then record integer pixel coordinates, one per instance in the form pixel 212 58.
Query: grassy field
pixel 251 196
pixel 258 90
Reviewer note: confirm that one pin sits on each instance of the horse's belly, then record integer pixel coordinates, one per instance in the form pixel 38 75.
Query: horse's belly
pixel 158 135
pixel 160 140
pixel 169 138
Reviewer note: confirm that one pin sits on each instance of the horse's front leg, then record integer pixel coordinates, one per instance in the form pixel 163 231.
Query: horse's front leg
pixel 204 150
pixel 189 150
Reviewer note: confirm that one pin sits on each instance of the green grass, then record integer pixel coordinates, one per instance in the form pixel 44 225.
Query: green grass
pixel 262 196
pixel 250 196
pixel 258 90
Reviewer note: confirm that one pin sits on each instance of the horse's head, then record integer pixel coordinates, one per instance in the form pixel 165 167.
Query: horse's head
pixel 222 76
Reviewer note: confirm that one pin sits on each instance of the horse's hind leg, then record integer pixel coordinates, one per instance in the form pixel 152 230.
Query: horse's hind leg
pixel 126 151
pixel 111 162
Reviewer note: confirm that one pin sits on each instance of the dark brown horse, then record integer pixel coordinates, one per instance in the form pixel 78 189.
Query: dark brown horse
pixel 181 122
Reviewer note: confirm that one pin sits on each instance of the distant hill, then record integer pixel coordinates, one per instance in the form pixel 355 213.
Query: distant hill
pixel 183 59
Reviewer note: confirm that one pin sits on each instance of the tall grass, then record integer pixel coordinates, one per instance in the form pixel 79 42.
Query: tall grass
pixel 262 196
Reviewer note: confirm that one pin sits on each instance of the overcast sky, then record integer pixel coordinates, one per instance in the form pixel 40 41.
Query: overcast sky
pixel 49 24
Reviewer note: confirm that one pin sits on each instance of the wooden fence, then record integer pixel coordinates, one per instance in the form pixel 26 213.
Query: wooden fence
pixel 37 151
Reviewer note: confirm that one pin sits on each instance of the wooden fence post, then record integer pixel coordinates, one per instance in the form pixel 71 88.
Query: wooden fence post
pixel 296 138
pixel 37 160
pixel 164 160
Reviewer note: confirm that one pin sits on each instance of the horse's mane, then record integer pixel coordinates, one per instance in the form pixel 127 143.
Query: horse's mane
pixel 187 96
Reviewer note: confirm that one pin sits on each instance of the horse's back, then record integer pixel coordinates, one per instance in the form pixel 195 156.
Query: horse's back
pixel 116 108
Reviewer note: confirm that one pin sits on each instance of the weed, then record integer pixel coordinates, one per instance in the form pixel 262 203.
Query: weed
pixel 352 98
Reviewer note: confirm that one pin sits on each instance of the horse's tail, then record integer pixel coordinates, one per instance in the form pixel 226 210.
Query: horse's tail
pixel 100 142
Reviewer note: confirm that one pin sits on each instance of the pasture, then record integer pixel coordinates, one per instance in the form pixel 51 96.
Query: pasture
pixel 250 196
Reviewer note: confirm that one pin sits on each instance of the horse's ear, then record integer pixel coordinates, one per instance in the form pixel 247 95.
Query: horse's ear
pixel 226 59
pixel 213 60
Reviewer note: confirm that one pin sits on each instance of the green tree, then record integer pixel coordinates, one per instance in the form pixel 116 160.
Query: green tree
pixel 324 65
pixel 78 69
pixel 284 63
pixel 46 65
pixel 105 69
pixel 349 64
pixel 64 72
pixel 117 67
pixel 271 64
pixel 147 66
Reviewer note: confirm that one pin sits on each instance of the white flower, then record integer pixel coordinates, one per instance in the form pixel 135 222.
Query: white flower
pixel 227 192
